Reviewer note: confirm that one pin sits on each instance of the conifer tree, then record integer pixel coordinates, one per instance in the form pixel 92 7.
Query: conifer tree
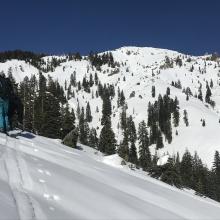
pixel 208 94
pixel 211 83
pixel 123 118
pixel 68 121
pixel 39 104
pixel 131 130
pixel 176 114
pixel 25 93
pixel 185 118
pixel 73 79
pixel 83 128
pixel 88 113
pixel 153 93
pixel 133 154
pixel 51 117
pixel 106 107
pixel 186 169
pixel 122 98
pixel 123 150
pixel 216 163
pixel 170 174
pixel 200 94
pixel 78 110
pixel 144 152
pixel 91 82
pixel 96 79
pixel 153 133
pixel 159 143
pixel 93 139
pixel 168 91
pixel 107 142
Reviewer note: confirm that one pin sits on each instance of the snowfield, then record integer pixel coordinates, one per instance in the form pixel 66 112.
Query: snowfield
pixel 43 179
pixel 141 68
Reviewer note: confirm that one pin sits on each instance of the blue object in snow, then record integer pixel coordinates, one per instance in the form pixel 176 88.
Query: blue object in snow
pixel 4 124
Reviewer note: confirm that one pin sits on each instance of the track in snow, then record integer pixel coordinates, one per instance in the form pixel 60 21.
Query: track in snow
pixel 18 181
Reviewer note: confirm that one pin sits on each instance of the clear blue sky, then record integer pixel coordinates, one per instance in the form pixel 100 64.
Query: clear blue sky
pixel 59 26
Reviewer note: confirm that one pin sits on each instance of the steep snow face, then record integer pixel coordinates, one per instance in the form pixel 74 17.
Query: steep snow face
pixel 140 69
pixel 42 179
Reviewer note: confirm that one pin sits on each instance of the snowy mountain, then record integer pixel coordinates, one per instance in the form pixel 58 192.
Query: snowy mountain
pixel 137 70
pixel 42 179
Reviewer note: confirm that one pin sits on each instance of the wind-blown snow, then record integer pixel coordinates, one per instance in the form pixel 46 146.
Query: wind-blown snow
pixel 42 179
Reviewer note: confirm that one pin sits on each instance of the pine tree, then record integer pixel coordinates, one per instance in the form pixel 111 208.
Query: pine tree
pixel 83 128
pixel 91 82
pixel 176 114
pixel 122 98
pixel 73 79
pixel 123 118
pixel 200 93
pixel 153 93
pixel 170 174
pixel 211 83
pixel 39 104
pixel 88 113
pixel 51 117
pixel 25 94
pixel 69 92
pixel 96 79
pixel 133 154
pixel 185 118
pixel 168 91
pixel 93 139
pixel 144 152
pixel 186 169
pixel 107 142
pixel 78 110
pixel 123 150
pixel 150 115
pixel 199 188
pixel 131 130
pixel 168 131
pixel 208 94
pixel 159 143
pixel 68 121
pixel 154 133
pixel 216 172
pixel 216 163
pixel 106 107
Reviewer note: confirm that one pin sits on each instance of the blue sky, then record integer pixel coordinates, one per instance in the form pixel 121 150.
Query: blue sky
pixel 60 26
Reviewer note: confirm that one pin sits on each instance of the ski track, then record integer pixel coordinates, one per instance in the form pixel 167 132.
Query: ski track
pixel 20 181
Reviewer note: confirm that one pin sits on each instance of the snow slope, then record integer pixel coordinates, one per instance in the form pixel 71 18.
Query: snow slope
pixel 141 68
pixel 42 179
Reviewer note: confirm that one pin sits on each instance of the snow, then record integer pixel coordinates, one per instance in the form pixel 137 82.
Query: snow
pixel 162 160
pixel 113 160
pixel 141 68
pixel 42 179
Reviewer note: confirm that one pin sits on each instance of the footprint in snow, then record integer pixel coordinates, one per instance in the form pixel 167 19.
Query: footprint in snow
pixel 51 197
pixel 40 171
pixel 42 181
pixel 47 173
